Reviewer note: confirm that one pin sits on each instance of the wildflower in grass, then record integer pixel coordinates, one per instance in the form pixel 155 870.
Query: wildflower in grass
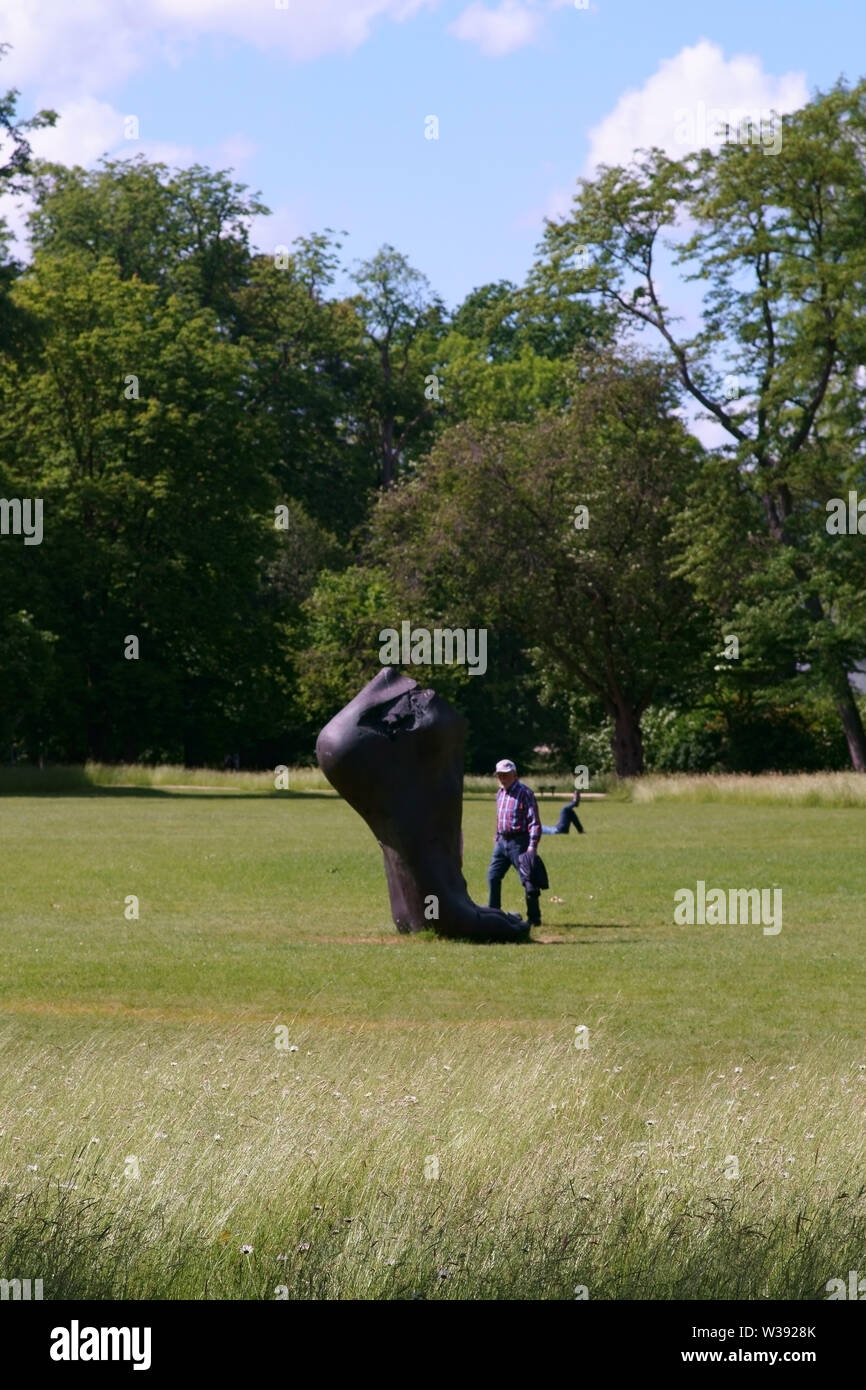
pixel 246 1249
pixel 304 1245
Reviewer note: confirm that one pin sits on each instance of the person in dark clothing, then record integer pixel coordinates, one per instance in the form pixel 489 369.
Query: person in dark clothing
pixel 567 819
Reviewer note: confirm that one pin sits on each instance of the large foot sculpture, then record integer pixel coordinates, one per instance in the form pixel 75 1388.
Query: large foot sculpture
pixel 395 753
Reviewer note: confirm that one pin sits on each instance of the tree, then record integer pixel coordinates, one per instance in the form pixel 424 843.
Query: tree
pixel 14 172
pixel 508 352
pixel 508 319
pixel 777 239
pixel 402 325
pixel 158 518
pixel 183 231
pixel 559 531
pixel 17 164
pixel 306 355
pixel 345 614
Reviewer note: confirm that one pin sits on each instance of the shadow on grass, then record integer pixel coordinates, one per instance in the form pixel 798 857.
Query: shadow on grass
pixel 87 789
pixel 593 926
pixel 546 940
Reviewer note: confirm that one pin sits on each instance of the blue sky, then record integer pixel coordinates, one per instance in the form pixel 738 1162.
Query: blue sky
pixel 322 105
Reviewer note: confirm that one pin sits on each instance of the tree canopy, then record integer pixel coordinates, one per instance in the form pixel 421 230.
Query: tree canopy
pixel 245 474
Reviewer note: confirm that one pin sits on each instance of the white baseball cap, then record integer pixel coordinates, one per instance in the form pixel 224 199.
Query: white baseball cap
pixel 505 765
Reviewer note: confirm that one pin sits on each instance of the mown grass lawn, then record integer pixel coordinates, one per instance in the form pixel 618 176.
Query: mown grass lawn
pixel 263 924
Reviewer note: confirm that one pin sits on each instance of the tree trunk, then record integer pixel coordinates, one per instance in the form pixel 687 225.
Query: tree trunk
pixel 843 696
pixel 389 458
pixel 852 724
pixel 627 742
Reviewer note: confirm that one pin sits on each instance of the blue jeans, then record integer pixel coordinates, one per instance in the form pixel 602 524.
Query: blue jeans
pixel 567 819
pixel 505 856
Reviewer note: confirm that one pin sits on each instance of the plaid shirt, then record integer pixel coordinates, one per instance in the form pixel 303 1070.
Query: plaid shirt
pixel 516 810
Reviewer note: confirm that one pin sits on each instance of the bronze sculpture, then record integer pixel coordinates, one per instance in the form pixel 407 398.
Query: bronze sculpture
pixel 395 753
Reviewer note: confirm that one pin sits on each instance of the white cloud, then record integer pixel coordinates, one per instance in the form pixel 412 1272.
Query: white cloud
pixel 87 129
pixel 278 228
pixel 672 108
pixel 93 45
pixel 499 31
pixel 72 55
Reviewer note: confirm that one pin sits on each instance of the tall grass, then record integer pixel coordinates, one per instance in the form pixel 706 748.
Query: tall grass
pixel 770 789
pixel 54 779
pixel 839 789
pixel 441 1165
pixel 25 779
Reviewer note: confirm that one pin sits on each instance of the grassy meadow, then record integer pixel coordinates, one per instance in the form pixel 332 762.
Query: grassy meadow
pixel 257 1089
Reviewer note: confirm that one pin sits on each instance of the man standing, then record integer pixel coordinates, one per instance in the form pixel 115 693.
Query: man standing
pixel 518 830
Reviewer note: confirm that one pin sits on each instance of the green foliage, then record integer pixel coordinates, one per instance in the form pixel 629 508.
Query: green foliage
pixel 516 388
pixel 305 356
pixel 158 513
pixel 599 607
pixel 28 680
pixel 776 241
pixel 184 232
pixel 402 325
pixel 345 614
pixel 770 734
pixel 258 388
pixel 16 147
